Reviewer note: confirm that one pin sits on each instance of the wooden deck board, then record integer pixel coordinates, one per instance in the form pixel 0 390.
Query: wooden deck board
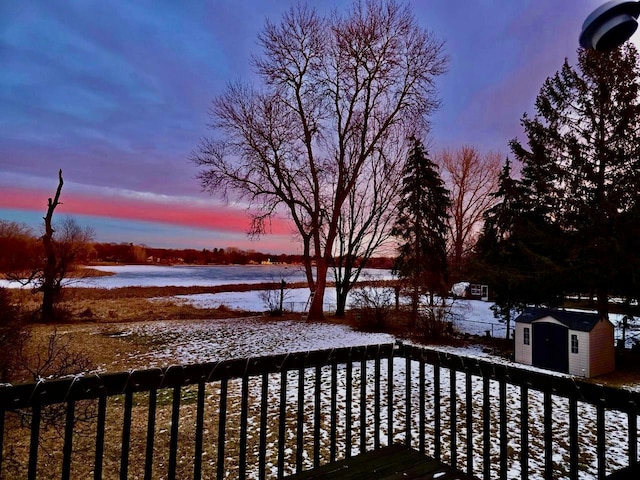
pixel 388 463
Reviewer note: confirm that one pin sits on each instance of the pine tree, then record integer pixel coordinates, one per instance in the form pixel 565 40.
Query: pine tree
pixel 513 252
pixel 581 170
pixel 421 225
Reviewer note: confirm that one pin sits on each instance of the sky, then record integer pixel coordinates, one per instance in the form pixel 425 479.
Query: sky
pixel 116 94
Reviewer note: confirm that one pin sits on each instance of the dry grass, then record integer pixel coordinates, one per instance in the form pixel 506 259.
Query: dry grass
pixel 92 322
pixel 133 304
pixel 95 318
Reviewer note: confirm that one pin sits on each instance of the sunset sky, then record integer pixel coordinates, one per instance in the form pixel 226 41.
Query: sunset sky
pixel 116 94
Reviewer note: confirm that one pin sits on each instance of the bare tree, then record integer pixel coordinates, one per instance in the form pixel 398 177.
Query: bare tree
pixel 74 246
pixel 333 89
pixel 366 219
pixel 62 247
pixel 471 178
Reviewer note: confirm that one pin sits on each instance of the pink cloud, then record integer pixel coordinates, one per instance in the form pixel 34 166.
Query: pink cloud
pixel 213 217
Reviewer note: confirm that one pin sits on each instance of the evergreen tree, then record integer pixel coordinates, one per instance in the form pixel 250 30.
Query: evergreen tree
pixel 580 175
pixel 421 225
pixel 513 253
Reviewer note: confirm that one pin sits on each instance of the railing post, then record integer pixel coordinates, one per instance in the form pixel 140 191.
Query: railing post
pixel 334 411
pixel 2 415
pixel 262 450
pixel 300 419
pixel 126 435
pixel 197 454
pixel 390 401
pixel 486 426
pixel 407 398
pixel 282 421
pixel 68 439
pixel 421 408
pixel 151 433
pixel 173 439
pixel 376 401
pixel 454 416
pixel 35 436
pixel 573 438
pixel 503 428
pixel 244 419
pixel 102 412
pixel 363 402
pixel 348 395
pixel 222 424
pixel 316 415
pixel 548 435
pixel 469 411
pixel 600 441
pixel 524 432
pixel 437 432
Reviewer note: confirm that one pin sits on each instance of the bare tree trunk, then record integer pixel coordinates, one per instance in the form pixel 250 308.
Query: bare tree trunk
pixel 603 302
pixel 50 287
pixel 341 303
pixel 508 322
pixel 343 287
pixel 316 310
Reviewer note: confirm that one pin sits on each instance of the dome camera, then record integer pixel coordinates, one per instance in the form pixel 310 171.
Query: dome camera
pixel 610 25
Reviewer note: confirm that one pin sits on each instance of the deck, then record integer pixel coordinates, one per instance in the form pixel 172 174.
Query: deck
pixel 389 463
pixel 319 413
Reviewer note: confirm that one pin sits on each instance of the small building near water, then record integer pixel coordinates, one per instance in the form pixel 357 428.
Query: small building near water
pixel 473 291
pixel 577 343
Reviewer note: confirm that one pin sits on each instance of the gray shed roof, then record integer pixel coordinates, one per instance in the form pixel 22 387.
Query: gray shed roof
pixel 581 321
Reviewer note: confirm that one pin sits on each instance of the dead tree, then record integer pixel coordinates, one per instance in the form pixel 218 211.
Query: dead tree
pixel 51 281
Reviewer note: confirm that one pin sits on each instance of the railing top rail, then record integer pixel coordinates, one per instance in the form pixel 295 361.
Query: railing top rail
pixel 91 386
pixel 562 385
pixel 96 385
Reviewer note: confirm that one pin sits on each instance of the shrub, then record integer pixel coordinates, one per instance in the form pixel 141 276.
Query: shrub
pixel 13 335
pixel 374 303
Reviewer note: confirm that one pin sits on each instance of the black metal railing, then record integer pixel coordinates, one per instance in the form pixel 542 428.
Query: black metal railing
pixel 272 416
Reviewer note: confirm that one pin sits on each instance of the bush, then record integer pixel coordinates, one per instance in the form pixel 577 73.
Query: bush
pixel 274 298
pixel 374 304
pixel 13 336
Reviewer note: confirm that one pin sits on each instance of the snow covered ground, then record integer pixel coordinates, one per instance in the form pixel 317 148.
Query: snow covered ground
pixel 184 342
pixel 471 316
pixel 474 317
pixel 180 342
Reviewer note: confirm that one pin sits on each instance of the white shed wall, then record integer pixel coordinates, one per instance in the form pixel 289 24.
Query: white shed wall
pixel 579 362
pixel 523 353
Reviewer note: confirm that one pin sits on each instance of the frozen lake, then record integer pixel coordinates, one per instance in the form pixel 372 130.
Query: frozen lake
pixel 188 275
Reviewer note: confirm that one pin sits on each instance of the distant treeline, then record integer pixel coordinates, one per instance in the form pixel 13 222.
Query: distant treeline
pixel 134 254
pixel 20 246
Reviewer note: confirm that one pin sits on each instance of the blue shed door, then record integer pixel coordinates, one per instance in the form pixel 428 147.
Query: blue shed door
pixel 550 348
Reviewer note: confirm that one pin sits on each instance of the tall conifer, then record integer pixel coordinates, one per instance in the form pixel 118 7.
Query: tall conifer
pixel 580 181
pixel 421 226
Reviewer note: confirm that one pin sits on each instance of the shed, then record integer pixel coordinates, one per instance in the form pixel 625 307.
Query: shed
pixel 577 343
